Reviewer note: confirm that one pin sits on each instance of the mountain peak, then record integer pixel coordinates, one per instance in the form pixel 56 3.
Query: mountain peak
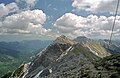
pixel 64 40
pixel 62 36
pixel 81 39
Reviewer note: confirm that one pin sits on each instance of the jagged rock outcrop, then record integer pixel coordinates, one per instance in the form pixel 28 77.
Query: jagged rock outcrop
pixel 45 59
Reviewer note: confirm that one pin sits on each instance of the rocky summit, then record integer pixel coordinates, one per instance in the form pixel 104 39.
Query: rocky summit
pixel 65 58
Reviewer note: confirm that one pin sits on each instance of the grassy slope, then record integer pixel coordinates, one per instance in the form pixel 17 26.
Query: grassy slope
pixel 8 63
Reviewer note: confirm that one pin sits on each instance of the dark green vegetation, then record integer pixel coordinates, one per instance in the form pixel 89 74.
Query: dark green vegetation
pixel 108 67
pixel 8 63
pixel 19 71
pixel 111 64
pixel 7 75
pixel 12 54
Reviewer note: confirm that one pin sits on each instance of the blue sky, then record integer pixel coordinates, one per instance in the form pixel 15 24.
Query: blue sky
pixel 47 19
pixel 54 9
pixel 6 1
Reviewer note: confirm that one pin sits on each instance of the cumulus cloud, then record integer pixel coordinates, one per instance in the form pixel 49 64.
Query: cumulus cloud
pixel 91 26
pixel 6 9
pixel 26 22
pixel 96 6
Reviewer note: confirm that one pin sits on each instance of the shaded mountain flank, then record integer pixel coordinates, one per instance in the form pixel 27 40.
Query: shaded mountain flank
pixel 66 58
pixel 114 47
pixel 13 54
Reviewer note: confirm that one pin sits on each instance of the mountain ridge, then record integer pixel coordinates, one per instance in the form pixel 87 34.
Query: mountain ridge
pixel 60 55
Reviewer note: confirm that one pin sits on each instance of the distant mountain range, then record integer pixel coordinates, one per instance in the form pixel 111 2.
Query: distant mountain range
pixel 12 54
pixel 66 58
pixel 114 47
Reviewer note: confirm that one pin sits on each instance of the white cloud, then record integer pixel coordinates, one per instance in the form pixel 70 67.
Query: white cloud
pixel 26 22
pixel 6 9
pixel 96 6
pixel 91 26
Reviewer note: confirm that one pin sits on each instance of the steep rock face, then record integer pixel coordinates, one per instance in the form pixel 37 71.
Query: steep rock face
pixel 97 49
pixel 45 59
pixel 94 46
pixel 65 58
pixel 20 71
pixel 71 65
pixel 78 62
